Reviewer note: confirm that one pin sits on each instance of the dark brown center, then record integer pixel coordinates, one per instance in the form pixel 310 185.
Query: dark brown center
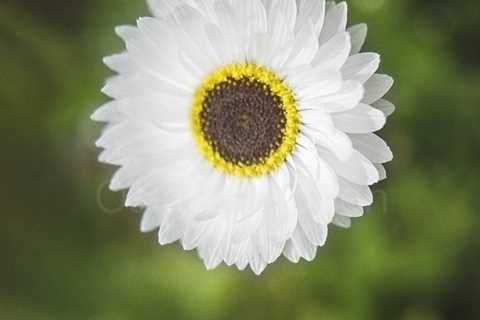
pixel 243 121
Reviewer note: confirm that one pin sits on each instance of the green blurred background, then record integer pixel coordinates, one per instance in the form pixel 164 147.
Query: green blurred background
pixel 69 251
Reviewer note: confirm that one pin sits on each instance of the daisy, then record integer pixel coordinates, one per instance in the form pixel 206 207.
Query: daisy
pixel 245 128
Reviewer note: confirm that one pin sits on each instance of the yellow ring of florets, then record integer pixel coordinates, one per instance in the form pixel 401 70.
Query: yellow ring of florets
pixel 277 87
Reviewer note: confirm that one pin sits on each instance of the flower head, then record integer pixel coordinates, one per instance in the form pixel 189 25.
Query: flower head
pixel 245 127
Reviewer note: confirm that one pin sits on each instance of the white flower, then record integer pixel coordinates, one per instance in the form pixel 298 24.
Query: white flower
pixel 245 127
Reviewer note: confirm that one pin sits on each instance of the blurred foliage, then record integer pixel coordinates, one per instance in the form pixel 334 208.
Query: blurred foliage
pixel 414 256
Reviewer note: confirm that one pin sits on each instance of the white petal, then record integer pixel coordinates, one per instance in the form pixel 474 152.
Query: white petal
pixel 156 53
pixel 319 119
pixel 358 34
pixel 283 180
pixel 308 82
pixel 385 106
pixel 357 169
pixel 343 222
pixel 165 111
pixel 172 227
pixel 108 113
pixel 281 20
pixel 121 63
pixel 354 193
pixel 242 261
pixel 162 8
pixel 258 265
pixel 281 215
pixel 335 21
pixel 361 119
pixel 334 53
pixel 162 186
pixel 315 232
pixel 226 20
pixel 381 171
pixel 247 19
pixel 213 247
pixel 311 11
pixel 221 45
pixel 291 252
pixel 373 147
pixel 338 143
pixel 245 228
pixel 206 184
pixel 376 87
pixel 129 173
pixel 125 131
pixel 130 139
pixel 188 30
pixel 306 154
pixel 263 248
pixel 299 247
pixel 361 67
pixel 305 47
pixel 253 16
pixel 152 219
pixel 145 148
pixel 206 8
pixel 347 209
pixel 193 235
pixel 127 33
pixel 261 252
pixel 348 97
pixel 143 85
pixel 314 206
pixel 135 166
pixel 235 252
pixel 158 33
pixel 326 179
pixel 262 51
